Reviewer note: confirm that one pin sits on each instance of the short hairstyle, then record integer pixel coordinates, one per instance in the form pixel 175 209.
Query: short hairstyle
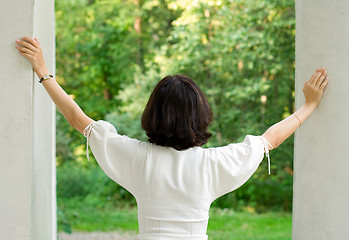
pixel 177 114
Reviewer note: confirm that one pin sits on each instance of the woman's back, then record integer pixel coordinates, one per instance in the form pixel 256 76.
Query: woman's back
pixel 174 189
pixel 173 201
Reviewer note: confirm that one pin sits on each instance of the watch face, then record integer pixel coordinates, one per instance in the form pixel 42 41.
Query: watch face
pixel 46 77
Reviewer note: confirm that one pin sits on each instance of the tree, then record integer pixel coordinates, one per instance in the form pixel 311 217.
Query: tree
pixel 110 54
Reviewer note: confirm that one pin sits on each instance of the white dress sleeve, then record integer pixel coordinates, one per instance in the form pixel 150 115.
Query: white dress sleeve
pixel 119 156
pixel 232 165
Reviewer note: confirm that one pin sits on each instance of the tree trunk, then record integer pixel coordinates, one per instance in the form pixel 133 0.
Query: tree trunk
pixel 138 30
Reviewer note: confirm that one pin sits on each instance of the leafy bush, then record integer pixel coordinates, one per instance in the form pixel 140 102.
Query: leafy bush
pixel 90 184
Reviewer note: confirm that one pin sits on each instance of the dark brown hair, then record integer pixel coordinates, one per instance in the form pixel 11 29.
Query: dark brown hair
pixel 177 114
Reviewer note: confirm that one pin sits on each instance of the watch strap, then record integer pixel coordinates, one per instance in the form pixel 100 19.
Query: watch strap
pixel 46 77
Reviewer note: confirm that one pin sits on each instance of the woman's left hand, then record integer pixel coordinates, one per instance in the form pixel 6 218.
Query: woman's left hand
pixel 30 48
pixel 314 88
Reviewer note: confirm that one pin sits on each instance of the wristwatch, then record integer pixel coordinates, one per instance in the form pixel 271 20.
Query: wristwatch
pixel 46 77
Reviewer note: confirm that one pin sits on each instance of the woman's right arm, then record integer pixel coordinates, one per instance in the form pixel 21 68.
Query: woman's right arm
pixel 67 106
pixel 31 49
pixel 313 91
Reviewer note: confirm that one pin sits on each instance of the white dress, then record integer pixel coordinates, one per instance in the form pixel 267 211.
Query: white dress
pixel 174 189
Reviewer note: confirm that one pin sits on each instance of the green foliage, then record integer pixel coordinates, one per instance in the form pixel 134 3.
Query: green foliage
pixel 110 54
pixel 90 184
pixel 62 221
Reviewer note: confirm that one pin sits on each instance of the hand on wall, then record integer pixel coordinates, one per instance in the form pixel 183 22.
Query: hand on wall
pixel 314 87
pixel 31 49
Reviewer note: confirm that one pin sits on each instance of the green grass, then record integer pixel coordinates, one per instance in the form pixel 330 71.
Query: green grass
pixel 249 226
pixel 223 224
pixel 83 216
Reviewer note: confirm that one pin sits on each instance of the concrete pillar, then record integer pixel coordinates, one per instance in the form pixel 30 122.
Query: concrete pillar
pixel 27 126
pixel 321 179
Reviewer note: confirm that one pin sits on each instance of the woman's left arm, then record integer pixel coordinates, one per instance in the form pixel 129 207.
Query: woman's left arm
pixel 313 91
pixel 30 48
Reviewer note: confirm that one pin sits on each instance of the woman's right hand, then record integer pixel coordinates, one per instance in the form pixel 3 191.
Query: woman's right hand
pixel 314 87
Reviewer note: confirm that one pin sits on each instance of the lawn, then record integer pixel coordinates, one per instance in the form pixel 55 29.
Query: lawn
pixel 227 224
pixel 224 224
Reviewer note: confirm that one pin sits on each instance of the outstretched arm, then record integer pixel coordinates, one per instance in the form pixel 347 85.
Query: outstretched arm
pixel 313 91
pixel 30 48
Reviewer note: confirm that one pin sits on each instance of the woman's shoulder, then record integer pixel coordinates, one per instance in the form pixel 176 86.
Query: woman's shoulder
pixel 250 144
pixel 104 131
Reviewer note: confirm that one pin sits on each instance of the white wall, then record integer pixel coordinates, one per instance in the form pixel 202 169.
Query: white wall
pixel 321 180
pixel 27 140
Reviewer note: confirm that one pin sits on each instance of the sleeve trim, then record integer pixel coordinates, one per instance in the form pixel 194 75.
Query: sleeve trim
pixel 88 129
pixel 266 150
pixel 87 132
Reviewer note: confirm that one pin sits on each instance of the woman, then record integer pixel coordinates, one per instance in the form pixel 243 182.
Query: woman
pixel 173 178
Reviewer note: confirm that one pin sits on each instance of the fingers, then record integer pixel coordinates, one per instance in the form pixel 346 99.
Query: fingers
pixel 24 44
pixel 25 50
pixel 35 43
pixel 25 54
pixel 319 72
pixel 321 79
pixel 31 49
pixel 27 43
pixel 324 83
